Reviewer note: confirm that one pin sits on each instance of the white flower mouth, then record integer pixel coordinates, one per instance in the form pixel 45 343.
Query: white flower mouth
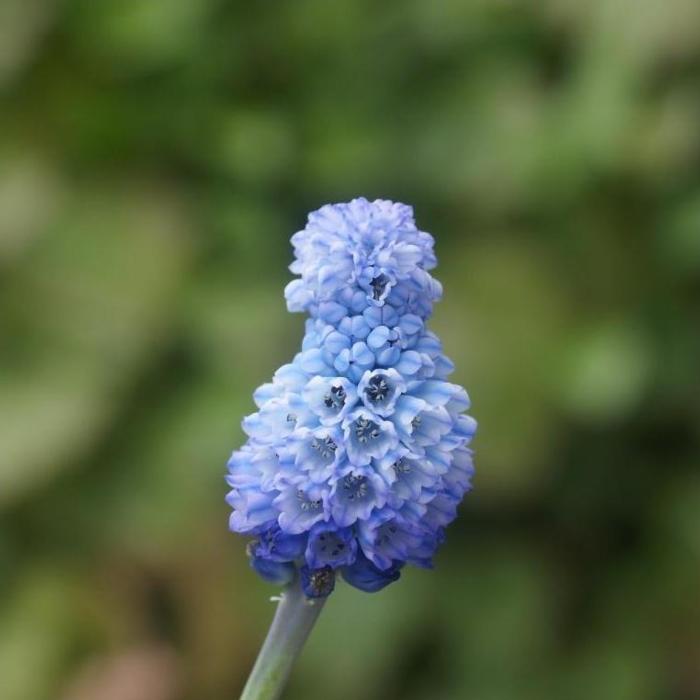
pixel 335 398
pixel 329 398
pixel 306 504
pixel 354 487
pixel 379 285
pixel 378 389
pixel 366 430
pixel 326 447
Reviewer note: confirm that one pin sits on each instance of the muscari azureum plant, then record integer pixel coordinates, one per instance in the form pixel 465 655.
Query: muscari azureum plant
pixel 357 456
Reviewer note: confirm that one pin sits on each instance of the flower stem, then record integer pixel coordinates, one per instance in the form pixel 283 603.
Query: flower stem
pixel 293 621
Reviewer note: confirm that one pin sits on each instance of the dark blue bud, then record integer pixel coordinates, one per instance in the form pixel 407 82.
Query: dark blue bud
pixel 317 583
pixel 363 574
pixel 275 572
pixel 275 545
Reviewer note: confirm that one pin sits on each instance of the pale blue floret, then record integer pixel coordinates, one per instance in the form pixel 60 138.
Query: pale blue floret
pixel 330 398
pixel 368 436
pixel 380 389
pixel 317 453
pixel 300 507
pixel 355 495
pixel 357 456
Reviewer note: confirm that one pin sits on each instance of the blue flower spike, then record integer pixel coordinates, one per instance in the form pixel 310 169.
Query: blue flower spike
pixel 358 454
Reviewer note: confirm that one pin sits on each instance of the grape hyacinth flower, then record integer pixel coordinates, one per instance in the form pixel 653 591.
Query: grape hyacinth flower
pixel 358 455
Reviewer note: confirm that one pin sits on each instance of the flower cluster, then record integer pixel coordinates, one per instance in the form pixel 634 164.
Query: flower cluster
pixel 358 456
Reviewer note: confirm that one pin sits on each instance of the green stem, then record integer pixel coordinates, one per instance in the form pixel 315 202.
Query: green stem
pixel 293 621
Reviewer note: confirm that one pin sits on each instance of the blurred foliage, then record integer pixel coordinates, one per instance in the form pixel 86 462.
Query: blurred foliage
pixel 155 156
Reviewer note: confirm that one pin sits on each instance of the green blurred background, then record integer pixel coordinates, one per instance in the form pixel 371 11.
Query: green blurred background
pixel 156 155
